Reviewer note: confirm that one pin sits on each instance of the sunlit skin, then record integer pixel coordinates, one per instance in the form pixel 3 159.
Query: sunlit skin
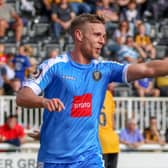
pixel 89 39
pixel 11 122
pixel 1 2
pixel 88 42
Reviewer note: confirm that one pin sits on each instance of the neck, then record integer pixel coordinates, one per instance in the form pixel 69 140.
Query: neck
pixel 78 56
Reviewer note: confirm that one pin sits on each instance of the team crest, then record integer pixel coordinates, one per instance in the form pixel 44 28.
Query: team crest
pixel 97 75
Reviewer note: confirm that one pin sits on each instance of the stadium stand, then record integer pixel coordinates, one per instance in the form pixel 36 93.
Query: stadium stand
pixel 37 33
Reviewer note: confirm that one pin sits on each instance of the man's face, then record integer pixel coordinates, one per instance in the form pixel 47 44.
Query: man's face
pixel 93 39
pixel 129 41
pixel 153 122
pixel 142 29
pixel 12 122
pixel 132 126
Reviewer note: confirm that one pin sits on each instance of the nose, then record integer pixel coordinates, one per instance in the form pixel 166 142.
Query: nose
pixel 102 40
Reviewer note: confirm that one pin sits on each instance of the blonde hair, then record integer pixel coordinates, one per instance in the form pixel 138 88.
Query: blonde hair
pixel 81 20
pixel 28 49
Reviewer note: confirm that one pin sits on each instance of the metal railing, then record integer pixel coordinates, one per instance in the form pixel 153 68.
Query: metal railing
pixel 126 107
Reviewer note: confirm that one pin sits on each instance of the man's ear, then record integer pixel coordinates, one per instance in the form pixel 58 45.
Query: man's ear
pixel 78 35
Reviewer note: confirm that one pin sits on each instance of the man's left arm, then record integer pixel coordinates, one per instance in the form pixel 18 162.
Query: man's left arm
pixel 148 69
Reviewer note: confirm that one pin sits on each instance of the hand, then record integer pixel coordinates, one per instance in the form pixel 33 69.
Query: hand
pixel 35 134
pixel 135 145
pixel 66 25
pixel 2 138
pixel 53 104
pixel 135 45
pixel 154 130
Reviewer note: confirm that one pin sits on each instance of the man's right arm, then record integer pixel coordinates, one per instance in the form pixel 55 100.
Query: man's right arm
pixel 27 98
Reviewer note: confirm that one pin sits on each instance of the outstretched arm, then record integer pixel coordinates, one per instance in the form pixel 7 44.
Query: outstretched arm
pixel 148 69
pixel 27 98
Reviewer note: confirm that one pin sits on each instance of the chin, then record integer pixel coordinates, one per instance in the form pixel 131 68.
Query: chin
pixel 95 56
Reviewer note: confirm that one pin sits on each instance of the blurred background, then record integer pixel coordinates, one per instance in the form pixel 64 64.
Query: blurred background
pixel 34 30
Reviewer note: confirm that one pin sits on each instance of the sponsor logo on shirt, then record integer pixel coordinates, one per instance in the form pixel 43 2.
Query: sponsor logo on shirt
pixel 69 77
pixel 97 75
pixel 82 106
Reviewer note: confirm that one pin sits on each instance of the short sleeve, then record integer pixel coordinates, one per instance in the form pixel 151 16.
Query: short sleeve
pixel 41 78
pixel 118 72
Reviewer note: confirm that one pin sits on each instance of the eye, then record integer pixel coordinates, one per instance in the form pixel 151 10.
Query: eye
pixel 97 34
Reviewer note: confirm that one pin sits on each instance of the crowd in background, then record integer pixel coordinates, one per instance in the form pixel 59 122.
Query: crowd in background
pixel 130 39
pixel 131 36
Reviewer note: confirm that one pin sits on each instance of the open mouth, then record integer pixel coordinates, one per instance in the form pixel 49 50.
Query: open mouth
pixel 98 50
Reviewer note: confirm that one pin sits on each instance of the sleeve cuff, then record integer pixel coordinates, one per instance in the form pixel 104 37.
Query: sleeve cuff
pixel 36 89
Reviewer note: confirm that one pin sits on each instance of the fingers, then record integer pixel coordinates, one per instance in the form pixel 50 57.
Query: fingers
pixel 34 135
pixel 53 104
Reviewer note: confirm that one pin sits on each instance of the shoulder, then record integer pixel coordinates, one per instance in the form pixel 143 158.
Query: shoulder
pixel 2 127
pixel 109 66
pixel 19 127
pixel 104 62
pixel 138 131
pixel 55 61
pixel 123 131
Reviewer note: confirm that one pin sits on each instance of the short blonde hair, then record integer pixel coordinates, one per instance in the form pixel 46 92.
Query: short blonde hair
pixel 81 20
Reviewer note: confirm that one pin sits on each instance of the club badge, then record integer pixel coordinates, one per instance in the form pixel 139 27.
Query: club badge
pixel 97 75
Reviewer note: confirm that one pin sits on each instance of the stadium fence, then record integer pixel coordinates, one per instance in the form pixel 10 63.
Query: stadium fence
pixel 126 107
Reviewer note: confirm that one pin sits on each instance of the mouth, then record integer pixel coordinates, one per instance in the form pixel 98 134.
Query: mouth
pixel 98 50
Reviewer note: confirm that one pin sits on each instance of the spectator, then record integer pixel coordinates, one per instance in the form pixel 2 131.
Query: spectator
pixel 110 13
pixel 7 15
pixel 12 132
pixel 152 134
pixel 35 135
pixel 21 62
pixel 109 139
pixel 131 135
pixel 162 84
pixel 3 60
pixel 144 41
pixel 121 34
pixel 62 15
pixel 46 7
pixel 53 53
pixel 3 56
pixel 123 3
pixel 142 5
pixel 130 52
pixel 15 86
pixel 92 4
pixel 132 15
pixel 107 10
pixel 8 73
pixel 79 6
pixel 145 87
pixel 157 10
